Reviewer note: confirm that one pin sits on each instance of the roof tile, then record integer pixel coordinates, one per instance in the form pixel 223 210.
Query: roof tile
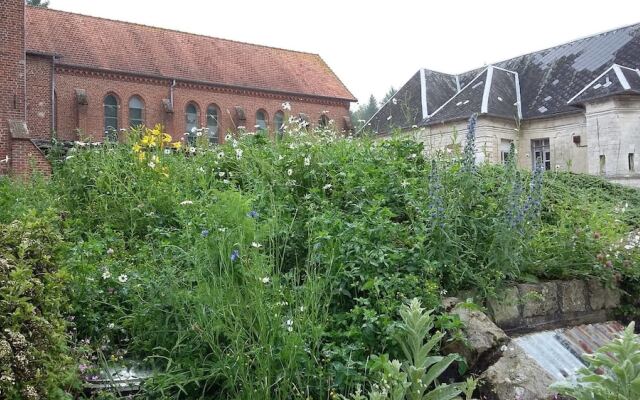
pixel 105 44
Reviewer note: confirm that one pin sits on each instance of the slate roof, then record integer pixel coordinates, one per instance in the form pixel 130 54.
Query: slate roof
pixel 542 84
pixel 104 44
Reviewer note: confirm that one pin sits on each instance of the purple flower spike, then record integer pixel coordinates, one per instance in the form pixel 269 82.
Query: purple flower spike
pixel 235 255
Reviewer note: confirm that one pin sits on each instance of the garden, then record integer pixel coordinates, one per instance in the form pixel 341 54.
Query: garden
pixel 306 266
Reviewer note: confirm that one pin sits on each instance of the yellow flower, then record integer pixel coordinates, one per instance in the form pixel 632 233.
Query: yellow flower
pixel 142 156
pixel 166 138
pixel 177 145
pixel 136 148
pixel 146 140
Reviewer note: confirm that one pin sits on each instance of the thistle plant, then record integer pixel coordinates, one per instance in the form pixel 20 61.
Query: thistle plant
pixel 613 371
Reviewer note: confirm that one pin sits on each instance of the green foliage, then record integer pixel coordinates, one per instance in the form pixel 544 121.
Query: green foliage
pixel 38 3
pixel 416 377
pixel 364 112
pixel 34 358
pixel 613 371
pixel 262 269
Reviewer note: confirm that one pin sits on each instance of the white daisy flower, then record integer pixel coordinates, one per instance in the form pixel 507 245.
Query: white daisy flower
pixel 123 278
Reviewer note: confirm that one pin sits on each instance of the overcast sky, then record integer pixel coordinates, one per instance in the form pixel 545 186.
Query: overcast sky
pixel 372 45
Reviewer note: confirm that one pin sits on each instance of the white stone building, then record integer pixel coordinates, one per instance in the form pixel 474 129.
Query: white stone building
pixel 575 107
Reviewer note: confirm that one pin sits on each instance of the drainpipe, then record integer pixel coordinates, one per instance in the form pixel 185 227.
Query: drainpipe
pixel 53 96
pixel 173 83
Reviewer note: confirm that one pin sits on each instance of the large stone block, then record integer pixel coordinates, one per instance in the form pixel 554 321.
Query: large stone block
pixel 484 339
pixel 602 297
pixel 612 297
pixel 538 299
pixel 597 293
pixel 516 376
pixel 572 296
pixel 505 308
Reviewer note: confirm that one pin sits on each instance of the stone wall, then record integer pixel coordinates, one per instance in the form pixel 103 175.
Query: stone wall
pixel 528 307
pixel 603 139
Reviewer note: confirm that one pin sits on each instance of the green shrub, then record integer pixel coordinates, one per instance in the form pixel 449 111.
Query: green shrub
pixel 34 358
pixel 413 378
pixel 613 371
pixel 166 250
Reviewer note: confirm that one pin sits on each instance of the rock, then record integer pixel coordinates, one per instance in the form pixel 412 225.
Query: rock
pixel 612 297
pixel 516 376
pixel 597 293
pixel 602 297
pixel 449 302
pixel 484 339
pixel 539 299
pixel 572 296
pixel 505 310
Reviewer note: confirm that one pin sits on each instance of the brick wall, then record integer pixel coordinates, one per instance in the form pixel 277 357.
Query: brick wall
pixel 39 96
pixel 12 72
pixel 26 94
pixel 27 158
pixel 87 122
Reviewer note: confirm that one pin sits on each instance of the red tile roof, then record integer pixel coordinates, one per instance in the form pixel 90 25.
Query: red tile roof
pixel 105 44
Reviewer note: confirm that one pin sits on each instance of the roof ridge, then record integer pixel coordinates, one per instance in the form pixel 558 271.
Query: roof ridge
pixel 46 9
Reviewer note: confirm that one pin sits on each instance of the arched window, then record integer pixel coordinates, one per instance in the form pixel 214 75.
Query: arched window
pixel 136 111
pixel 261 120
pixel 191 122
pixel 212 123
pixel 111 117
pixel 278 123
pixel 323 122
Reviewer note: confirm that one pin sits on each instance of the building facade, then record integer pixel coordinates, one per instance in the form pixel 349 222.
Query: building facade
pixel 573 107
pixel 81 78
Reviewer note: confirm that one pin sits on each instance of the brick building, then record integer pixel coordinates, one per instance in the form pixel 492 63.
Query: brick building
pixel 84 78
pixel 575 106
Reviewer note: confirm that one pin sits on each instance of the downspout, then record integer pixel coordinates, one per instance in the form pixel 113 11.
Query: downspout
pixel 53 96
pixel 173 83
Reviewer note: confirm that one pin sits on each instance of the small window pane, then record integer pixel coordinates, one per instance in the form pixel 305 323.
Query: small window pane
pixel 111 118
pixel 541 151
pixel 278 123
pixel 261 121
pixel 191 115
pixel 212 123
pixel 323 122
pixel 136 111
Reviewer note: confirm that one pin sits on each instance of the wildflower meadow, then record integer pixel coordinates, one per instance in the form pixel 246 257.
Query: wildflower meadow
pixel 288 266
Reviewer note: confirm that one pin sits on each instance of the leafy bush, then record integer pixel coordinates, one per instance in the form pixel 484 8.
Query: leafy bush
pixel 613 371
pixel 273 268
pixel 420 370
pixel 34 358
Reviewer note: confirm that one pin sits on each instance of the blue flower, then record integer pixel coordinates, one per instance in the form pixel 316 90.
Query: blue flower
pixel 253 214
pixel 235 255
pixel 204 233
pixel 469 162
